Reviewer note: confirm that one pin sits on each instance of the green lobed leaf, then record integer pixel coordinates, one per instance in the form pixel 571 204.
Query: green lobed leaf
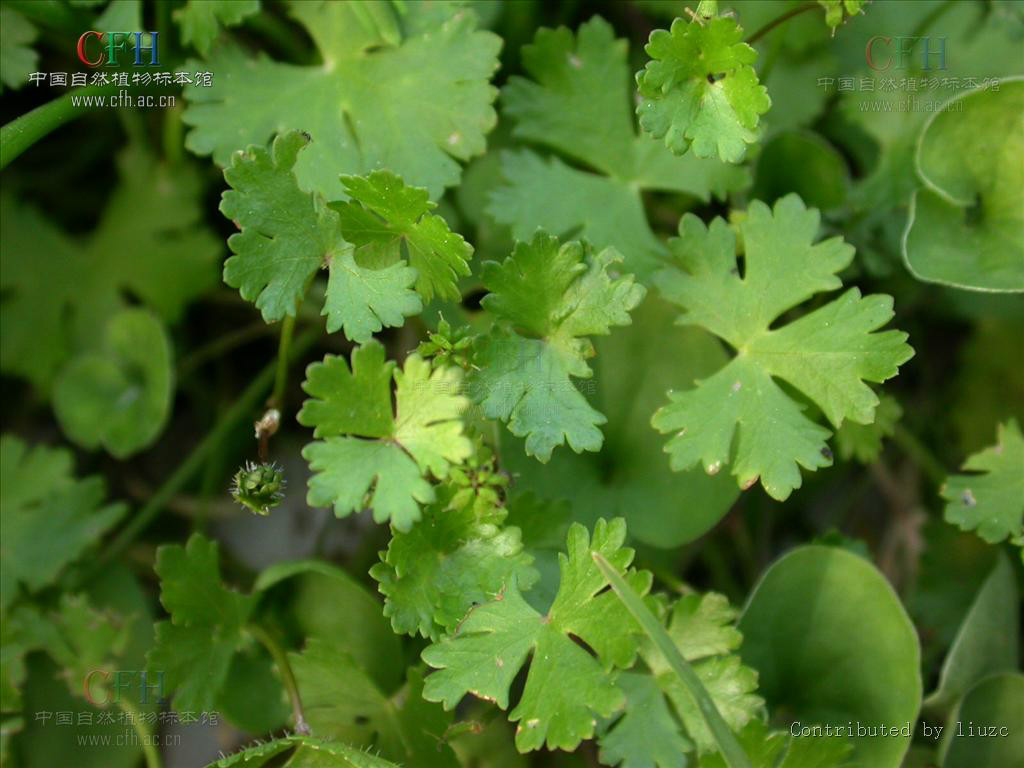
pixel 578 104
pixel 201 20
pixel 149 247
pixel 991 500
pixel 47 517
pixel 632 370
pixel 287 235
pixel 84 638
pixel 451 560
pixel 740 415
pixel 17 58
pixel 685 686
pixel 699 91
pixel 646 736
pixel 547 299
pixel 492 643
pixel 390 214
pixel 368 453
pixel 194 650
pixel 371 104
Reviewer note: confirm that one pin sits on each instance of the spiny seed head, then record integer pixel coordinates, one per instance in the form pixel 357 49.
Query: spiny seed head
pixel 258 487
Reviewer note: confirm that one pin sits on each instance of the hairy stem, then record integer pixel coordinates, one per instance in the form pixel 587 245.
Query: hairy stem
pixel 287 676
pixel 779 20
pixel 242 408
pixel 149 750
pixel 727 744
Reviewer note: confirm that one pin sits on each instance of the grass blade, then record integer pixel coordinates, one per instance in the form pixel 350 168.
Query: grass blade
pixel 727 744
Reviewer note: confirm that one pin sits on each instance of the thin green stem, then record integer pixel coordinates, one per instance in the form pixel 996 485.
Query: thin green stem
pixel 149 750
pixel 173 135
pixel 934 15
pixel 727 744
pixel 281 377
pixel 217 347
pixel 920 454
pixel 22 132
pixel 779 20
pixel 287 676
pixel 243 407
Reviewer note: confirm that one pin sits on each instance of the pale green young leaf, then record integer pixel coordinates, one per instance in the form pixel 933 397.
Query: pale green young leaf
pixel 194 649
pixel 699 91
pixel 740 415
pixel 390 214
pixel 681 680
pixel 450 561
pixel 646 736
pixel 149 247
pixel 342 701
pixel 118 397
pixel 202 20
pixel 731 685
pixel 492 643
pixel 374 102
pixel 47 517
pixel 704 625
pixel 369 456
pixel 287 235
pixel 578 104
pixel 990 500
pixel 547 299
pixel 703 630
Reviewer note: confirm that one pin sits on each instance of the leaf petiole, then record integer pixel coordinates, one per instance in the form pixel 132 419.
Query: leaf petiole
pixel 287 676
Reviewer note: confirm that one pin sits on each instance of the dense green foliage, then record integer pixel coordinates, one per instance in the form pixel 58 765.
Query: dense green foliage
pixel 624 383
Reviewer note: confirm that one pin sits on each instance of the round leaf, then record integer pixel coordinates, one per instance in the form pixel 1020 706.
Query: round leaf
pixel 965 226
pixel 833 645
pixel 118 397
